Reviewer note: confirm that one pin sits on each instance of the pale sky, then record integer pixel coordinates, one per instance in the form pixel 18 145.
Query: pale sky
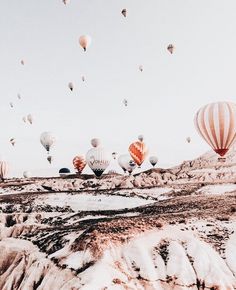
pixel 162 99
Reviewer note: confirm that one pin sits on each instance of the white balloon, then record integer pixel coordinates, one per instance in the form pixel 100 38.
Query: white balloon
pixel 126 163
pixel 98 160
pixel 30 118
pixel 47 139
pixel 27 174
pixel 95 142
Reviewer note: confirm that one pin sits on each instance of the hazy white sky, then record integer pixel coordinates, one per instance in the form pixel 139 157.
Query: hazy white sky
pixel 162 99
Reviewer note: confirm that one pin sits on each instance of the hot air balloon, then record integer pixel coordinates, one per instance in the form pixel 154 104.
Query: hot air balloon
pixel 71 86
pixel 140 68
pixel 26 174
pixel 125 102
pixel 22 62
pixel 19 96
pixel 95 142
pixel 153 160
pixel 85 41
pixel 64 172
pixel 50 159
pixel 30 118
pixel 138 151
pixel 24 119
pixel 188 139
pixel 13 141
pixel 216 123
pixel 79 163
pixel 47 139
pixel 124 12
pixel 4 169
pixel 126 163
pixel 114 155
pixel 171 48
pixel 98 159
pixel 83 78
pixel 11 105
pixel 65 1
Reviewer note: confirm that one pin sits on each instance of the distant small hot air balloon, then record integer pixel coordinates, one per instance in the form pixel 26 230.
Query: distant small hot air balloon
pixel 13 141
pixel 171 48
pixel 79 163
pixel 125 102
pixel 140 68
pixel 26 174
pixel 138 151
pixel 98 159
pixel 18 96
pixel 95 142
pixel 124 12
pixel 71 86
pixel 30 118
pixel 24 119
pixel 216 123
pixel 66 1
pixel 188 139
pixel 47 139
pixel 11 105
pixel 22 62
pixel 153 160
pixel 114 155
pixel 4 169
pixel 83 78
pixel 50 159
pixel 85 41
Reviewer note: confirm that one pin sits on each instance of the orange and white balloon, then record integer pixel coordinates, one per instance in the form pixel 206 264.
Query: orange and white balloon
pixel 216 123
pixel 85 41
pixel 79 163
pixel 138 151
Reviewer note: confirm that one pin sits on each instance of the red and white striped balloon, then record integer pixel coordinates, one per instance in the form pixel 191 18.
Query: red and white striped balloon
pixel 216 123
pixel 79 163
pixel 138 151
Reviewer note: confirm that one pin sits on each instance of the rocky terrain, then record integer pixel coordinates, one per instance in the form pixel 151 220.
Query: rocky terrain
pixel 161 229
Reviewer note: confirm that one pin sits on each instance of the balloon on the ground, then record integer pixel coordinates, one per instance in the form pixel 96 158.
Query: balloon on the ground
pixel 47 139
pixel 4 169
pixel 216 123
pixel 26 174
pixel 138 151
pixel 79 163
pixel 64 172
pixel 85 41
pixel 98 159
pixel 153 160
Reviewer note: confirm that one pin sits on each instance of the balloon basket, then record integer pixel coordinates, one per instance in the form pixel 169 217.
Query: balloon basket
pixel 221 159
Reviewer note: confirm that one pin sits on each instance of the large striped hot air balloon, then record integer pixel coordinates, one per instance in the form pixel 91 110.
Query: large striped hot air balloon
pixel 216 123
pixel 138 151
pixel 79 163
pixel 4 169
pixel 98 158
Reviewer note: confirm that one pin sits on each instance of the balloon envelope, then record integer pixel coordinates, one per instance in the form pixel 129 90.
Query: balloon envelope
pixel 138 151
pixel 98 159
pixel 153 160
pixel 79 163
pixel 126 163
pixel 85 41
pixel 216 123
pixel 47 139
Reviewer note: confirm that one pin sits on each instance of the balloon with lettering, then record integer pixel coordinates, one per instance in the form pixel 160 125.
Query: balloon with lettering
pixel 98 159
pixel 216 123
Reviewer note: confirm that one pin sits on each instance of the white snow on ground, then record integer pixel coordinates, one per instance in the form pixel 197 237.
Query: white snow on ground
pixel 217 189
pixel 79 202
